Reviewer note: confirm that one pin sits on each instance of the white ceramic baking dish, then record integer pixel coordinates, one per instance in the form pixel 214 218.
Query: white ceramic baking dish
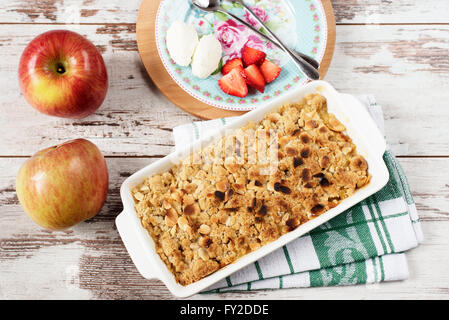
pixel 360 127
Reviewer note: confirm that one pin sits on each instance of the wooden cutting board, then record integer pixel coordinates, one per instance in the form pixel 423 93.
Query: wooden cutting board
pixel 146 42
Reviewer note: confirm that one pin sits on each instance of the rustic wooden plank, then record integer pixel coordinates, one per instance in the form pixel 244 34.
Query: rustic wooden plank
pixel 118 11
pixel 135 116
pixel 90 261
pixel 429 182
pixel 85 261
pixel 68 11
pixel 397 11
pixel 406 67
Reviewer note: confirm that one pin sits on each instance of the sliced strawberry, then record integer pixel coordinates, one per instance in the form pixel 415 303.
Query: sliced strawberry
pixel 254 77
pixel 270 71
pixel 252 56
pixel 231 64
pixel 233 84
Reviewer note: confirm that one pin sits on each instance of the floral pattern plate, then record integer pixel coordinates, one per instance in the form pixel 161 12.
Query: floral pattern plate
pixel 301 24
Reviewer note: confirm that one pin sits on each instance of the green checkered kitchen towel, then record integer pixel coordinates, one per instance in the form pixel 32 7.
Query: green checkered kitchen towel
pixel 364 244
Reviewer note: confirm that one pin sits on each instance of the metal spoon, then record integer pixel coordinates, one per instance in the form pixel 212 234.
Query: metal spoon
pixel 309 59
pixel 214 6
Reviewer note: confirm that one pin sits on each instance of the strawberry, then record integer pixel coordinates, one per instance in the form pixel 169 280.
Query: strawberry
pixel 231 64
pixel 233 84
pixel 270 71
pixel 252 56
pixel 254 77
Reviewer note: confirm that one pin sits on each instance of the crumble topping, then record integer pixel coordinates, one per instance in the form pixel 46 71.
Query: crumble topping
pixel 204 215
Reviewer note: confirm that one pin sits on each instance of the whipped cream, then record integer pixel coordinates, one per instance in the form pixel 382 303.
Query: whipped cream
pixel 182 39
pixel 206 57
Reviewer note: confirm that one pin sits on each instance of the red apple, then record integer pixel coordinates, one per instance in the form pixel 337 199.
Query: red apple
pixel 63 185
pixel 62 74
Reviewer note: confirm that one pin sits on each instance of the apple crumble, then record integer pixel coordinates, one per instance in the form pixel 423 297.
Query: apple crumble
pixel 204 215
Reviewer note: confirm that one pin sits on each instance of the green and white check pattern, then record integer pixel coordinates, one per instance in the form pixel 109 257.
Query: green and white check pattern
pixel 365 244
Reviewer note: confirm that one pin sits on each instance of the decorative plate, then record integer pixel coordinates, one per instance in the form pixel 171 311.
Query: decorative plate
pixel 301 24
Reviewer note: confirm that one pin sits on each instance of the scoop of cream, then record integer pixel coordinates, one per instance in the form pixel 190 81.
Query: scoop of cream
pixel 207 56
pixel 182 40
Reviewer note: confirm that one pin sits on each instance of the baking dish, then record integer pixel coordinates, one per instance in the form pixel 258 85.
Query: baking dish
pixel 360 127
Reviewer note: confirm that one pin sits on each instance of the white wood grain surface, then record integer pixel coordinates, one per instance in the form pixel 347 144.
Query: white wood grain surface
pixel 397 50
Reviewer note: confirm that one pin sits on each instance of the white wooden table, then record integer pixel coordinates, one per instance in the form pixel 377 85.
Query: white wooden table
pixel 397 50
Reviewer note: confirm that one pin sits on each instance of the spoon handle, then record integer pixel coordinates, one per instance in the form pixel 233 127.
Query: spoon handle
pixel 309 59
pixel 306 67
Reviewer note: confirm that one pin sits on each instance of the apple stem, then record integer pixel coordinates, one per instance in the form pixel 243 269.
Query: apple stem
pixel 60 68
